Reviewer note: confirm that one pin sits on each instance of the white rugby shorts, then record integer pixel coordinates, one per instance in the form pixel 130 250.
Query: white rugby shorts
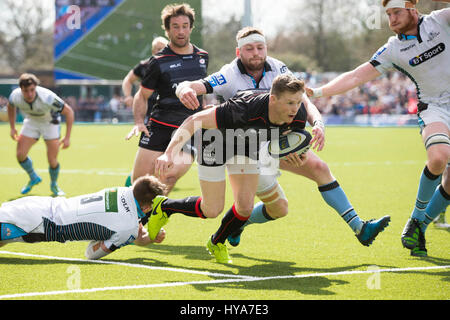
pixel 435 113
pixel 35 129
pixel 234 165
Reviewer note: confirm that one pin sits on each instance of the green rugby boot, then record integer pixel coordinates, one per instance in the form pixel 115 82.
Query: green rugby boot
pixel 410 235
pixel 219 251
pixel 158 217
pixel 420 250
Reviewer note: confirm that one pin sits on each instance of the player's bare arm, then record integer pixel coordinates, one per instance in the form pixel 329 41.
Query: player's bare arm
pixel 205 119
pixel 139 110
pixel 127 86
pixel 12 122
pixel 68 113
pixel 188 91
pixel 346 81
pixel 315 119
pixel 96 250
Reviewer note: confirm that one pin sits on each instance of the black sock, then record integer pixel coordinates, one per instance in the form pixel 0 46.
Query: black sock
pixel 231 223
pixel 189 206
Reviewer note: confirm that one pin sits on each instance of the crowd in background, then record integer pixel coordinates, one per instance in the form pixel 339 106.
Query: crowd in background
pixel 391 94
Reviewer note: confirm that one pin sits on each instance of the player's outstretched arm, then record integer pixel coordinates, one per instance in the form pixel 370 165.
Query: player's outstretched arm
pixel 188 91
pixel 315 119
pixel 96 250
pixel 346 81
pixel 139 110
pixel 205 119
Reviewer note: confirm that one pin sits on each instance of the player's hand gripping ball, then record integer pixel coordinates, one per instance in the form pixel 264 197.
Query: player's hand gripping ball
pixel 295 141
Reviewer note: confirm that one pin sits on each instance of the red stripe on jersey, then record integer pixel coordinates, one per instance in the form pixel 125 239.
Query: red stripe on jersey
pixel 254 119
pixel 164 124
pixel 147 88
pixel 166 55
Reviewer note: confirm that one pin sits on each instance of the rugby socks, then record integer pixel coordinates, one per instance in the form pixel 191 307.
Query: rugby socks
pixel 9 231
pixel 427 186
pixel 438 203
pixel 54 172
pixel 189 206
pixel 259 215
pixel 231 223
pixel 335 197
pixel 27 165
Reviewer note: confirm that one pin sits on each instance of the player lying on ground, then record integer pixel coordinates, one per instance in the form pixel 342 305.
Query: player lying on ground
pixel 111 218
pixel 420 50
pixel 277 112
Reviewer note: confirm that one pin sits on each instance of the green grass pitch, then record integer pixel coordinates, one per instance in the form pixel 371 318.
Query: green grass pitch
pixel 310 254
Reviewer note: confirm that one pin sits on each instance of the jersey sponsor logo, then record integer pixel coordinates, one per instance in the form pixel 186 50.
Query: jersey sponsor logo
pixel 175 65
pixel 125 204
pixel 217 80
pixel 427 55
pixel 111 200
pixel 408 47
pixel 283 69
pixel 379 52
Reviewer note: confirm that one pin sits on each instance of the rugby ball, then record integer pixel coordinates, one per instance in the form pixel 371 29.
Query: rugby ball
pixel 295 141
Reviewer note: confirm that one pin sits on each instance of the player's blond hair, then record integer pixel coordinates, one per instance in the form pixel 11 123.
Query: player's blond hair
pixel 175 10
pixel 414 2
pixel 146 188
pixel 28 79
pixel 286 83
pixel 246 31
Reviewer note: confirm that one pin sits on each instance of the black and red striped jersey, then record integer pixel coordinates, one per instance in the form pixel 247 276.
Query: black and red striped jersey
pixel 163 72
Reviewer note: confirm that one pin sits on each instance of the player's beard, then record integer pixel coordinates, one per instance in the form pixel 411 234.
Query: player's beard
pixel 180 43
pixel 410 25
pixel 255 65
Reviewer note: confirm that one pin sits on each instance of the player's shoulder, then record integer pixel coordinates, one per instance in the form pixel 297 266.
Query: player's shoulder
pixel 277 65
pixel 16 95
pixel 200 51
pixel 46 95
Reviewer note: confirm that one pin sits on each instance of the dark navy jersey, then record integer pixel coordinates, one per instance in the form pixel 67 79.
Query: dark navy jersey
pixel 250 110
pixel 163 72
pixel 243 122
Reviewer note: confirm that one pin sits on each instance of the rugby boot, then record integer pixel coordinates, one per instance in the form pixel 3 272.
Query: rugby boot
pixel 410 235
pixel 219 251
pixel 30 185
pixel 371 229
pixel 420 250
pixel 56 190
pixel 158 217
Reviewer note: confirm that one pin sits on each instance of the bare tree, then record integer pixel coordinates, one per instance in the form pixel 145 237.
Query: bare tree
pixel 26 38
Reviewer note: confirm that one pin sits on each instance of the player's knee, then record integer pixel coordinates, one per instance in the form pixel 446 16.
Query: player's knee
pixel 212 211
pixel 279 209
pixel 244 208
pixel 437 163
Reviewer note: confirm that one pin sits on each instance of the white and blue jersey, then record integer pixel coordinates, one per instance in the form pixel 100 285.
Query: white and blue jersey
pixel 233 77
pixel 46 107
pixel 424 59
pixel 111 215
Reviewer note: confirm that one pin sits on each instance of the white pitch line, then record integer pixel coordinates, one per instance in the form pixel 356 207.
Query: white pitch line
pixel 209 282
pixel 125 264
